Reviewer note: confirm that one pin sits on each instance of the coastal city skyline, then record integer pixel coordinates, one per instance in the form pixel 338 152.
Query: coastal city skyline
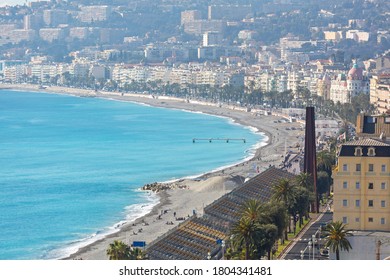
pixel 258 64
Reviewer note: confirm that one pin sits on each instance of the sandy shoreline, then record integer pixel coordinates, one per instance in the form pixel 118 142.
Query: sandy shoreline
pixel 200 191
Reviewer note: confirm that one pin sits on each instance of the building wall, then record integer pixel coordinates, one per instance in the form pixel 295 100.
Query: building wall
pixel 51 34
pixel 380 92
pixel 342 89
pixel 357 35
pixel 55 17
pixel 352 193
pixel 94 13
pixel 333 35
pixel 19 35
pixel 382 63
pixel 191 15
pixel 199 27
pixel 34 21
pixel 212 39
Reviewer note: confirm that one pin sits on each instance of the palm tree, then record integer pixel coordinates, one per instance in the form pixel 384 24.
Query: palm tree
pixel 336 237
pixel 266 238
pixel 118 251
pixel 136 254
pixel 325 160
pixel 277 214
pixel 252 210
pixel 303 199
pixel 284 192
pixel 260 226
pixel 304 180
pixel 244 234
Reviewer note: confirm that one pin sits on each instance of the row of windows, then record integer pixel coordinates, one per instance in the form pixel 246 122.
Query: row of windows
pixel 370 220
pixel 370 203
pixel 358 167
pixel 370 185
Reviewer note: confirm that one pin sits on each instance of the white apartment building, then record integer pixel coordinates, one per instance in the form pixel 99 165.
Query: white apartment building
pixel 199 27
pixel 15 73
pixel 94 13
pixel 334 36
pixel 160 74
pixel 80 33
pixel 19 35
pixel 128 74
pixel 6 29
pixel 357 35
pixel 380 92
pixel 51 34
pixel 43 72
pixel 338 89
pixel 79 69
pixel 212 39
pixel 180 76
pixel 294 79
pixel 190 15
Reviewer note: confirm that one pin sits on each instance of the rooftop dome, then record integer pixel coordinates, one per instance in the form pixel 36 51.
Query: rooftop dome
pixel 356 73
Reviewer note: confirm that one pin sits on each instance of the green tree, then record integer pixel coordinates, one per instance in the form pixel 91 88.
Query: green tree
pixel 276 214
pixel 285 98
pixel 304 180
pixel 336 237
pixel 284 191
pixel 257 230
pixel 136 254
pixel 303 199
pixel 252 210
pixel 323 183
pixel 304 195
pixel 271 97
pixel 267 235
pixel 244 234
pixel 118 251
pixel 325 161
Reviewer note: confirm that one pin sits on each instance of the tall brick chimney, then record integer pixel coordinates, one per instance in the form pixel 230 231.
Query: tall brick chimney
pixel 310 158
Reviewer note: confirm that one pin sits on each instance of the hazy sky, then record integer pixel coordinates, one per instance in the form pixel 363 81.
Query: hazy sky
pixel 12 2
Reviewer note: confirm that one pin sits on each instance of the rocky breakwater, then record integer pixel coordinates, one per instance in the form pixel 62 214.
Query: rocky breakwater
pixel 157 187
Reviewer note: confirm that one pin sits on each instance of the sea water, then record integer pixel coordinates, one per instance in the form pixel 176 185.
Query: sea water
pixel 71 168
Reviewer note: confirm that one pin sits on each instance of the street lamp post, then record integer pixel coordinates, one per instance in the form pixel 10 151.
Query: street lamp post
pixel 313 237
pixel 209 255
pixel 302 252
pixel 223 249
pixel 309 245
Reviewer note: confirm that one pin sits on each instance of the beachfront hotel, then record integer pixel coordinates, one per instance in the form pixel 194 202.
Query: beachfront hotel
pixel 361 188
pixel 361 185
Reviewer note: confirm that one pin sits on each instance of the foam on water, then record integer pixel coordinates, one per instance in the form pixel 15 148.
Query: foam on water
pixel 132 213
pixel 71 168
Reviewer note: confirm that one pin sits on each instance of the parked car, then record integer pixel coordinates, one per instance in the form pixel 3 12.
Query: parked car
pixel 324 252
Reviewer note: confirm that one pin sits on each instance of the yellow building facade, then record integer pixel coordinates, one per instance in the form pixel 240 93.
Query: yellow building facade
pixel 362 185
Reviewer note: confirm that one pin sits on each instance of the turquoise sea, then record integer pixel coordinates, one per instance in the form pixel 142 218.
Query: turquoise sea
pixel 71 168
